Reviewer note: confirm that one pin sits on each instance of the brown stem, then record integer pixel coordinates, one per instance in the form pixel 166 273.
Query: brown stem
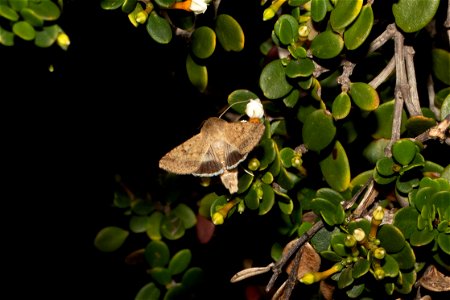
pixel 431 96
pixel 412 103
pixel 440 131
pixel 383 38
pixel 344 79
pixel 384 74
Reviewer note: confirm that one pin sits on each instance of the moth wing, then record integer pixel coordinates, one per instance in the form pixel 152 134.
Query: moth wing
pixel 187 157
pixel 210 164
pixel 243 136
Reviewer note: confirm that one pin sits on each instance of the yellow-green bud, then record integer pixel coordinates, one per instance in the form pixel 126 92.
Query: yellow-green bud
pixel 297 161
pixel 267 178
pixel 254 164
pixel 217 219
pixel 378 273
pixel 308 278
pixel 379 253
pixel 350 241
pixel 141 17
pixel 63 40
pixel 359 234
pixel 303 31
pixel 378 213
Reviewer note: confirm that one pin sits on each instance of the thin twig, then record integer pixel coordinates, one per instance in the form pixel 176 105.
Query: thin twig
pixel 384 74
pixel 355 197
pixel 277 268
pixel 292 280
pixel 367 200
pixel 344 79
pixel 440 131
pixel 250 272
pixel 383 38
pixel 431 96
pixel 412 103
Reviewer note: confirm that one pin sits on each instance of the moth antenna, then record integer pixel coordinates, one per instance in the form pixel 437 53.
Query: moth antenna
pixel 220 116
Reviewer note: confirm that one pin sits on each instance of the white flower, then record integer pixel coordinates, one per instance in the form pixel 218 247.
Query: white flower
pixel 254 109
pixel 199 6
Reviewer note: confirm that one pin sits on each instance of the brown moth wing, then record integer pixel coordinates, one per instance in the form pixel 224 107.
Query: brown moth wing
pixel 187 157
pixel 243 136
pixel 210 164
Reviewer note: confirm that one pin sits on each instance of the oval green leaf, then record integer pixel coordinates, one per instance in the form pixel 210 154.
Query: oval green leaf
pixel 8 13
pixel 301 67
pixel 161 275
pixel 229 33
pixel 252 198
pixel 331 213
pixel 327 44
pixel 384 114
pixel 128 6
pixel 46 10
pixel 192 277
pixel 360 267
pixel 268 199
pixel 273 81
pixel 318 10
pixel 286 28
pixel 238 99
pixel 341 106
pixel 336 168
pixel 360 30
pixel 346 277
pixel 186 214
pixel 197 74
pixel 391 238
pixel 390 266
pixel 139 223
pixel 318 121
pixel 413 15
pixel 344 13
pixel 404 151
pixel 17 5
pixel 24 30
pixel 165 3
pixel 405 258
pixel 422 237
pixel 180 261
pixel 172 227
pixel 110 238
pixel 292 99
pixel 445 108
pixel 406 220
pixel 286 207
pixel 159 28
pixel 154 231
pixel 364 96
pixel 157 254
pixel 203 42
pixel 148 292
pixel 6 37
pixel 443 240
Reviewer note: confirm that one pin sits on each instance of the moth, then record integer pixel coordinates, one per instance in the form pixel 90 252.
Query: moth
pixel 216 150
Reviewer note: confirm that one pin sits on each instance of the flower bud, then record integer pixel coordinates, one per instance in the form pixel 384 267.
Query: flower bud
pixel 254 109
pixel 379 253
pixel 63 40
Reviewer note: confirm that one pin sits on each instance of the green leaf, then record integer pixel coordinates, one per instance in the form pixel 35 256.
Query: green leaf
pixel 364 96
pixel 186 215
pixel 175 292
pixel 46 10
pixel 165 3
pixel 268 199
pixel 273 81
pixel 331 213
pixel 337 243
pixel 385 166
pixel 360 268
pixel 203 42
pixel 356 290
pixel 129 5
pixel 390 266
pixel 384 115
pixel 148 292
pixel 362 224
pixel 142 207
pixel 327 44
pixel 346 278
pixel 318 121
pixel 8 13
pixel 360 30
pixel 157 254
pixel 198 75
pixel 286 28
pixel 217 204
pixel 407 282
pixel 375 150
pixel 344 13
pixel 322 239
pixel 443 240
pixel 120 201
pixel 244 182
pixel 391 238
pixel 413 15
pixel 161 275
pixel 445 109
pixel 422 237
pixel 330 255
pixel 318 10
pixel 154 231
pixel 301 67
pixel 17 5
pixel 286 207
pixel 405 258
pixel 172 227
pixel 159 28
pixel 404 151
pixel 292 99
pixel 110 238
pixel 229 33
pixel 238 99
pixel 252 198
pixel 341 106
pixel 406 220
pixel 24 30
pixel 111 4
pixel 139 223
pixel 336 168
pixel 180 261
pixel 192 277
pixel 6 37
